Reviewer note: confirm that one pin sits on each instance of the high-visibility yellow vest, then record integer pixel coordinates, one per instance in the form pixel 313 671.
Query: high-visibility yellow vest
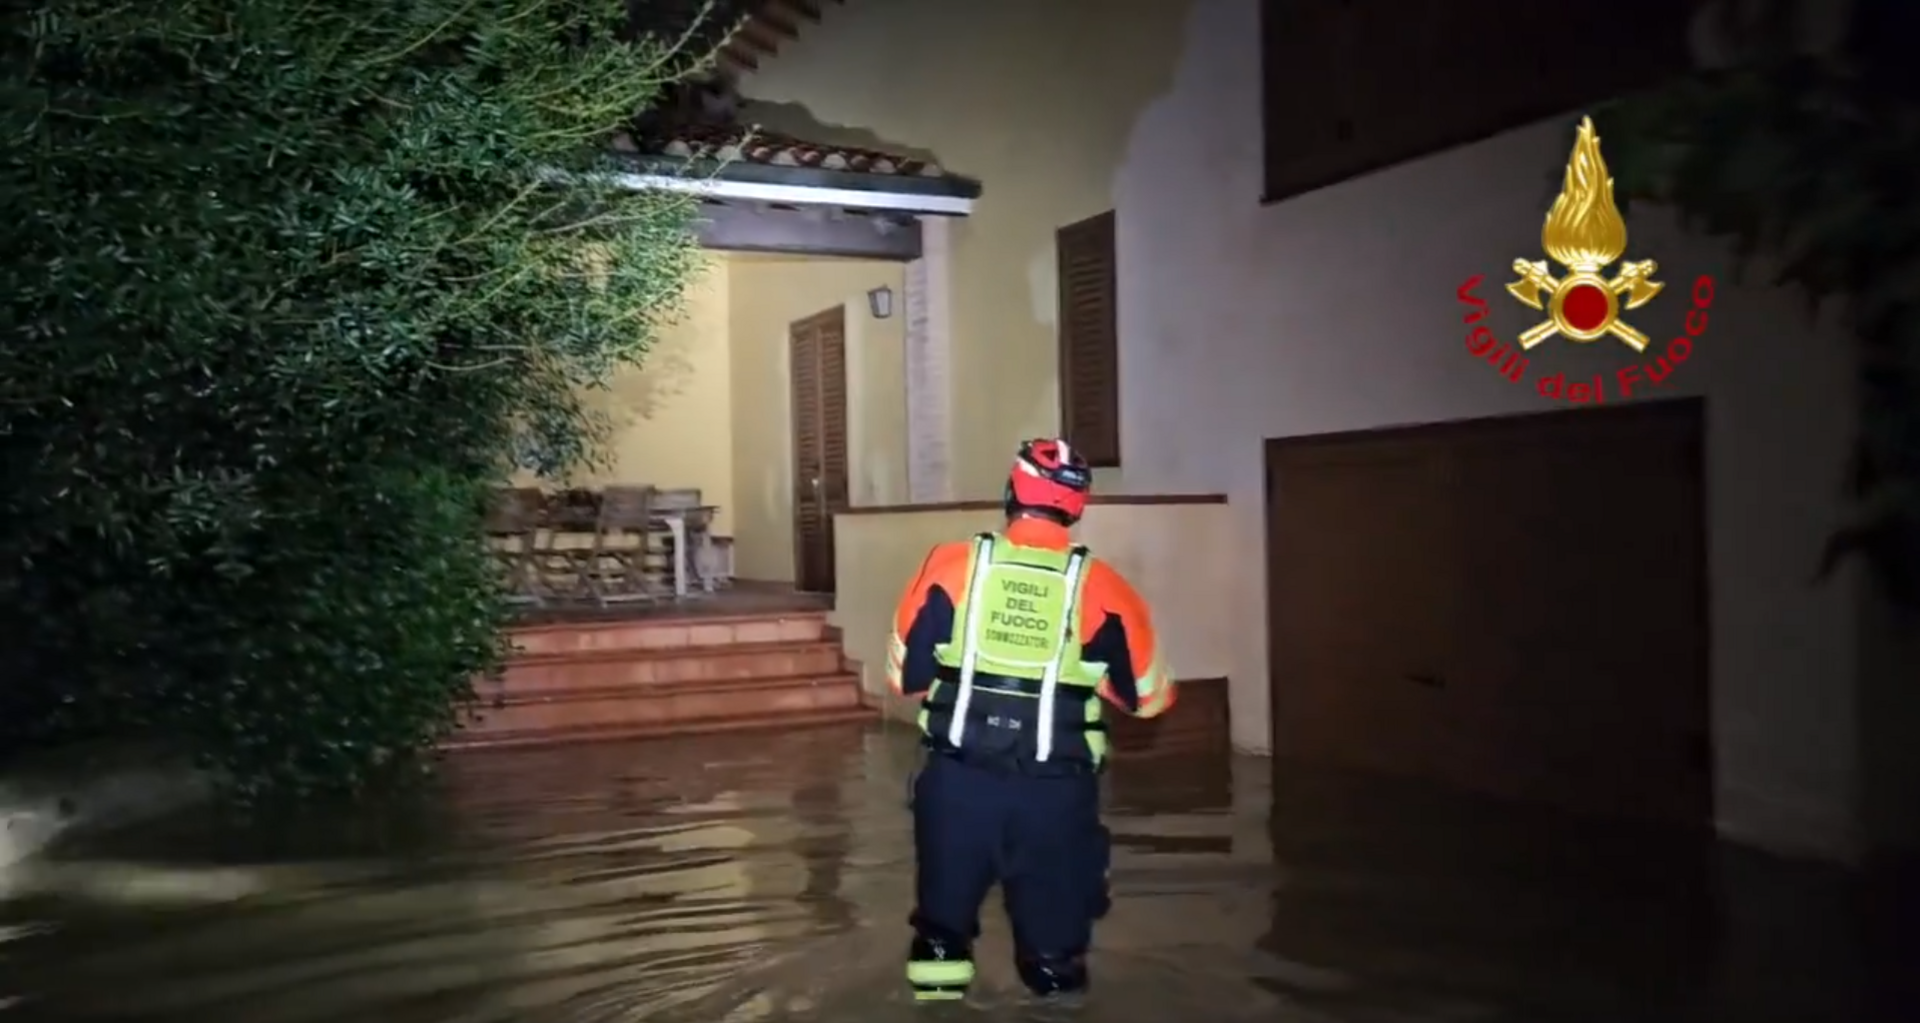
pixel 1012 684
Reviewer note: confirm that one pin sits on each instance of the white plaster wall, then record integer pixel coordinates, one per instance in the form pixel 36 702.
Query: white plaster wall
pixel 1337 311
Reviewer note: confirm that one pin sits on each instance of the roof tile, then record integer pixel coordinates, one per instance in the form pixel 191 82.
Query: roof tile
pixel 736 143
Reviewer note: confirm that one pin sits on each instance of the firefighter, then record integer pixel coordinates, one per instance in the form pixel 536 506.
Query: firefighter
pixel 1013 640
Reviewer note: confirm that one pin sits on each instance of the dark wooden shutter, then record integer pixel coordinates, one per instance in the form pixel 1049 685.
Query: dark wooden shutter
pixel 830 335
pixel 1305 52
pixel 1089 340
pixel 1350 88
pixel 809 522
pixel 817 349
pixel 832 328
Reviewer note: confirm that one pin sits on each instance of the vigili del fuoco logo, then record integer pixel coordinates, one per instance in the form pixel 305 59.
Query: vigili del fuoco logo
pixel 1585 233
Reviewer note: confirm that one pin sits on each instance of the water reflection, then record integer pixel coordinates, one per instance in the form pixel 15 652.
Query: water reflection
pixel 767 878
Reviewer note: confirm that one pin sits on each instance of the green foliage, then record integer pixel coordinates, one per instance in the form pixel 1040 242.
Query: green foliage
pixel 289 286
pixel 1810 160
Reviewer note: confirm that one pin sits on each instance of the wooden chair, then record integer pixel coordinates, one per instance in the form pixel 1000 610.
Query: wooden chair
pixel 563 559
pixel 513 533
pixel 617 569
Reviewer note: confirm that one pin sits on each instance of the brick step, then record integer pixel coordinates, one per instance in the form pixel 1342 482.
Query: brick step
pixel 503 698
pixel 563 709
pixel 468 739
pixel 676 666
pixel 671 633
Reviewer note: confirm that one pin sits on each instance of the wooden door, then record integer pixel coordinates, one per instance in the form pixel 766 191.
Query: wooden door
pixel 1512 606
pixel 817 350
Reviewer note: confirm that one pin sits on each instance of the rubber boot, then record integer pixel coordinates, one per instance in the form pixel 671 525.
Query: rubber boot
pixel 940 968
pixel 1051 976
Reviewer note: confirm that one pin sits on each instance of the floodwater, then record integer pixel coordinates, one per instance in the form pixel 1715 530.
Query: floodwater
pixel 737 878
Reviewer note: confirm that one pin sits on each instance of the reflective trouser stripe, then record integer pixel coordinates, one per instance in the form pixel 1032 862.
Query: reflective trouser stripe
pixel 1050 682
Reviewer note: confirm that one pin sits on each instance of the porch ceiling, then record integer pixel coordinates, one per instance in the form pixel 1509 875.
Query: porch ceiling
pixel 809 231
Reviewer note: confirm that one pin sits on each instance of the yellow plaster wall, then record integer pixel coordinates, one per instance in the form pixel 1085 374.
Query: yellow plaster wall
pixel 673 416
pixel 941 76
pixel 766 294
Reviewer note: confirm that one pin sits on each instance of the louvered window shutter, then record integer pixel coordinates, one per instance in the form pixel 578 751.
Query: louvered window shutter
pixel 1352 88
pixel 1089 340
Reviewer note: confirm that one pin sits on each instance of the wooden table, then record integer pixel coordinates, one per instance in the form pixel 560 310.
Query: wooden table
pixel 580 517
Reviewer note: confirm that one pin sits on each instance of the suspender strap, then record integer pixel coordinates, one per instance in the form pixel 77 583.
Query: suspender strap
pixel 970 654
pixel 1050 682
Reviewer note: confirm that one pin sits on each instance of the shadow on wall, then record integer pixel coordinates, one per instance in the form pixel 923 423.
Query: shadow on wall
pixel 642 393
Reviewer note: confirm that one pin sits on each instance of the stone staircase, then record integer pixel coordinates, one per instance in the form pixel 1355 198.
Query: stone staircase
pixel 642 676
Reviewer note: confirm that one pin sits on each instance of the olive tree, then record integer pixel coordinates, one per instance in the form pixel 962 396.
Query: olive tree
pixel 288 288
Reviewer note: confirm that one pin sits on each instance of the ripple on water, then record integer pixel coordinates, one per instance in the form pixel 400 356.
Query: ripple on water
pixel 711 879
pixel 768 878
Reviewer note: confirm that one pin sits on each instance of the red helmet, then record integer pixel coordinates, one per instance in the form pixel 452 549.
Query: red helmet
pixel 1050 478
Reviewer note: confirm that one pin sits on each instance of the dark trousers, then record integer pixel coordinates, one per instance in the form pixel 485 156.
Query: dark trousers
pixel 1039 837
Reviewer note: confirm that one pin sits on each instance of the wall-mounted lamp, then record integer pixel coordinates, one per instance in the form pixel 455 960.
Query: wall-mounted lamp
pixel 880 302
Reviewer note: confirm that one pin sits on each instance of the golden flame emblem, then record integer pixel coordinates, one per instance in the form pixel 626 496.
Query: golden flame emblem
pixel 1584 233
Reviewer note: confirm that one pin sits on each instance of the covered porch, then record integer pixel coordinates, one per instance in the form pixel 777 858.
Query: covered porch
pixel 685 583
pixel 779 397
pixel 808 396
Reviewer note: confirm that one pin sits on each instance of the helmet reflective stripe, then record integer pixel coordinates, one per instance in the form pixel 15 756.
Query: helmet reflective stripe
pixel 982 564
pixel 1051 680
pixel 1066 453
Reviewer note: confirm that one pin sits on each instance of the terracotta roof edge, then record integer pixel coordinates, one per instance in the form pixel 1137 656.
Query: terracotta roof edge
pixel 942 184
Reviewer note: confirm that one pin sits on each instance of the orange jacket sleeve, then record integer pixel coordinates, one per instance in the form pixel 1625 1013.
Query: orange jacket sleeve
pixel 1117 632
pixel 924 619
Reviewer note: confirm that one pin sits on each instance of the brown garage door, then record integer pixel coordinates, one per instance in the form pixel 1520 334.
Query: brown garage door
pixel 1515 606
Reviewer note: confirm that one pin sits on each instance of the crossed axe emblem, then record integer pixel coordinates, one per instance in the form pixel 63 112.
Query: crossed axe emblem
pixel 1631 288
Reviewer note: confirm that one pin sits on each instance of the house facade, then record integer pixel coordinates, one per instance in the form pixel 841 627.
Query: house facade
pixel 1255 293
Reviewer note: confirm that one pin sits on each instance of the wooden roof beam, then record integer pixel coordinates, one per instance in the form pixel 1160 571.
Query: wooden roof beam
pixel 762 33
pixel 792 9
pixel 759 37
pixel 775 21
pixel 739 58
